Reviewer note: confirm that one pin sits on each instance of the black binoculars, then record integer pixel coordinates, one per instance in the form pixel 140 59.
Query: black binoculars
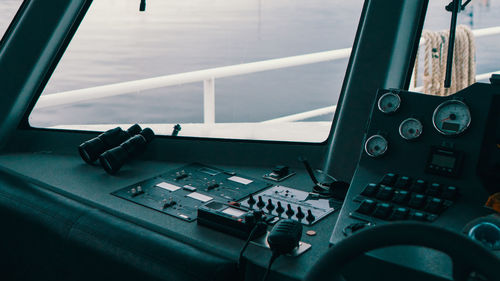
pixel 114 147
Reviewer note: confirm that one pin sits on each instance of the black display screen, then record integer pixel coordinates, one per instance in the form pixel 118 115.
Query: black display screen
pixel 451 126
pixel 443 161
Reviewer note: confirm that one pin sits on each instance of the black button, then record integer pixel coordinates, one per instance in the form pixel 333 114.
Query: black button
pixel 403 182
pixel 419 216
pixel 370 190
pixel 419 186
pixel 450 193
pixel 434 205
pixel 385 193
pixel 401 196
pixel 434 189
pixel 431 217
pixel 366 207
pixel 383 210
pixel 400 213
pixel 389 179
pixel 417 200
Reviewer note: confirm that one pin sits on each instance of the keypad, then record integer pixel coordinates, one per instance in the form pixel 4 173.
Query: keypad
pixel 400 197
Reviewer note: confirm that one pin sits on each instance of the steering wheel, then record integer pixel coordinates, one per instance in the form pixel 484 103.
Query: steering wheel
pixel 467 255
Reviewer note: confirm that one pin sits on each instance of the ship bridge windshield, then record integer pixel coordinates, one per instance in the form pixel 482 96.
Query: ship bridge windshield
pixel 246 69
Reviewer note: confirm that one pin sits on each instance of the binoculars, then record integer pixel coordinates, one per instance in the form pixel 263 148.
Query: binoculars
pixel 115 147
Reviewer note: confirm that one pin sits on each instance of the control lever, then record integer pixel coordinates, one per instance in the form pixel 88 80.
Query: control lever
pixel 336 189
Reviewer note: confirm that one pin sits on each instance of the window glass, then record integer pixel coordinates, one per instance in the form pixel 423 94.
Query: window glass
pixel 244 69
pixel 477 56
pixel 8 9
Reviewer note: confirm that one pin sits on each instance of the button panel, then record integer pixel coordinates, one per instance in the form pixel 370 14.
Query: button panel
pixel 403 198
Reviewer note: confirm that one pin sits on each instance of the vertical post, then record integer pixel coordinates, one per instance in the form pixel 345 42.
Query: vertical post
pixel 209 101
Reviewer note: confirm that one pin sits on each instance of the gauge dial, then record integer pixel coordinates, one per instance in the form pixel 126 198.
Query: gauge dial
pixel 410 129
pixel 376 146
pixel 389 103
pixel 451 117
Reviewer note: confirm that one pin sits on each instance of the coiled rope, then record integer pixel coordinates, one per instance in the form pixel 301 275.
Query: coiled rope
pixel 434 52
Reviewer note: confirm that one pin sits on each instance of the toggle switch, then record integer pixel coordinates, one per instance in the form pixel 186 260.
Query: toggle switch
pixel 310 218
pixel 251 200
pixel 270 206
pixel 279 209
pixel 300 215
pixel 260 203
pixel 289 211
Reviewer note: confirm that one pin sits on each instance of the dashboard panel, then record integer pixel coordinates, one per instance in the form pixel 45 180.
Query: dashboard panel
pixel 419 160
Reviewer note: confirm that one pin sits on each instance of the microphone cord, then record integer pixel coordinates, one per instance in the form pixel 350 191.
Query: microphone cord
pixel 274 256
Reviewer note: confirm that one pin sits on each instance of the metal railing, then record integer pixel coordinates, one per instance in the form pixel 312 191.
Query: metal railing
pixel 208 77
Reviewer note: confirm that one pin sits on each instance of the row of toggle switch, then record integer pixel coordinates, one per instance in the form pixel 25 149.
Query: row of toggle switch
pixel 279 209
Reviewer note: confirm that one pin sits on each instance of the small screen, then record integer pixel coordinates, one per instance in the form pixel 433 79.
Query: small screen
pixel 233 212
pixel 451 126
pixel 443 161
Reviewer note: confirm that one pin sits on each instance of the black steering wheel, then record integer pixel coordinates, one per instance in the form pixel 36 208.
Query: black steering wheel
pixel 467 255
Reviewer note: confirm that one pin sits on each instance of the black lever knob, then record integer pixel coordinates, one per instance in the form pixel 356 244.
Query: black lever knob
pixel 251 200
pixel 289 211
pixel 300 215
pixel 260 203
pixel 310 218
pixel 270 206
pixel 279 209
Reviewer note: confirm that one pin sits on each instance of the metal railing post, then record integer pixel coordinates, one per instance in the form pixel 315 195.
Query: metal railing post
pixel 209 101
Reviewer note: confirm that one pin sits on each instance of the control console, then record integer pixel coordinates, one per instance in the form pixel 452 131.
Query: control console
pixel 419 160
pixel 182 191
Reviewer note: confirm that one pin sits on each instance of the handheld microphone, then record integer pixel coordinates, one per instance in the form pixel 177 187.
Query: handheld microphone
pixel 285 236
pixel 283 239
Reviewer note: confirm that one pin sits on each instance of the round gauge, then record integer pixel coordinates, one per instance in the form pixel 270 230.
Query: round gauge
pixel 376 146
pixel 410 129
pixel 451 117
pixel 389 103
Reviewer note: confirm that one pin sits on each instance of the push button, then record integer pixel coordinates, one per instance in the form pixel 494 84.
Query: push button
pixel 389 179
pixel 449 192
pixel 416 201
pixel 403 182
pixel 434 189
pixel 385 193
pixel 370 190
pixel 366 207
pixel 419 186
pixel 400 213
pixel 434 205
pixel 431 217
pixel 419 216
pixel 383 210
pixel 401 197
